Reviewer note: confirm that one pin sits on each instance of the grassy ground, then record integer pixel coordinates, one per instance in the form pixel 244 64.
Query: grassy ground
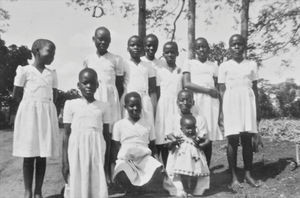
pixel 272 165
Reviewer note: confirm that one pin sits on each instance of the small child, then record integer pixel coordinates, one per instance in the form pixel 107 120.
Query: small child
pixel 200 76
pixel 238 86
pixel 133 143
pixel 169 84
pixel 109 68
pixel 187 165
pixel 86 123
pixel 140 77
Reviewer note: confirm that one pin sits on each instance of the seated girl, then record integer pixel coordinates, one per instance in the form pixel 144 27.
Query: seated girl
pixel 133 144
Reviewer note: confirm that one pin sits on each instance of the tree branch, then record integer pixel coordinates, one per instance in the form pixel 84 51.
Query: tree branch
pixel 177 17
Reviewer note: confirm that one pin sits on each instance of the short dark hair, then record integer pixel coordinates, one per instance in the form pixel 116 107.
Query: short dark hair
pixel 39 43
pixel 89 70
pixel 171 43
pixel 131 94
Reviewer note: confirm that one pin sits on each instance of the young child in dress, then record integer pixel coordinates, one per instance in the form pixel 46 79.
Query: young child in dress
pixel 36 124
pixel 238 86
pixel 140 77
pixel 187 165
pixel 133 140
pixel 169 84
pixel 109 68
pixel 86 123
pixel 150 48
pixel 200 76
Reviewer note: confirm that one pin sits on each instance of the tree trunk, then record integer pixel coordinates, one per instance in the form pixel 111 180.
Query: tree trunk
pixel 244 21
pixel 142 19
pixel 191 28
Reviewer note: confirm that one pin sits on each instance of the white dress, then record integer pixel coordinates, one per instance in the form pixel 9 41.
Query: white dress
pixel 36 125
pixel 187 159
pixel 107 66
pixel 170 84
pixel 136 79
pixel 86 149
pixel 239 106
pixel 202 74
pixel 134 157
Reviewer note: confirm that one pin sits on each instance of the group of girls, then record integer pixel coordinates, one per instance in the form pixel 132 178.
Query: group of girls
pixel 140 122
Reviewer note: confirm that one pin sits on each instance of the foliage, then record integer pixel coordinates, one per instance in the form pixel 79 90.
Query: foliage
pixel 63 96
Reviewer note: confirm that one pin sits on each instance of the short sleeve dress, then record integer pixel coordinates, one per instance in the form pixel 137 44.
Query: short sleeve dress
pixel 239 105
pixel 36 131
pixel 87 146
pixel 107 66
pixel 203 74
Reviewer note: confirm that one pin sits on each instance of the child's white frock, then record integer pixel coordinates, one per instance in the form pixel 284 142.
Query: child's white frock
pixel 239 106
pixel 86 149
pixel 170 84
pixel 36 124
pixel 187 159
pixel 202 74
pixel 107 66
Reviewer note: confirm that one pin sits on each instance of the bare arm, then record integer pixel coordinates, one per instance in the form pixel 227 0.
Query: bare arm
pixel 65 160
pixel 255 90
pixel 152 92
pixel 120 85
pixel 196 88
pixel 17 94
pixel 55 94
pixel 153 148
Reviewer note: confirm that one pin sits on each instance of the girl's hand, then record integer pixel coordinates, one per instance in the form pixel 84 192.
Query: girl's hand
pixel 65 171
pixel 213 93
pixel 200 143
pixel 175 144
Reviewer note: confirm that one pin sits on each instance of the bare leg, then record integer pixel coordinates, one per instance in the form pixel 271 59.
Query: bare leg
pixel 207 151
pixel 40 169
pixel 232 147
pixel 28 166
pixel 164 155
pixel 246 141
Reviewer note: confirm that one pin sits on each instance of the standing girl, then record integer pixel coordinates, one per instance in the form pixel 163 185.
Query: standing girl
pixel 36 124
pixel 238 85
pixel 200 76
pixel 86 123
pixel 169 84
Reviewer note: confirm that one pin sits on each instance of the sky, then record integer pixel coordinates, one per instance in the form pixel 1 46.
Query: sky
pixel 71 29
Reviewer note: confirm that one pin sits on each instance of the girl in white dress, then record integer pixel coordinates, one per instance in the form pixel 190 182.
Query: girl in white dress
pixel 36 124
pixel 200 76
pixel 187 165
pixel 238 86
pixel 169 84
pixel 133 140
pixel 109 68
pixel 86 123
pixel 140 77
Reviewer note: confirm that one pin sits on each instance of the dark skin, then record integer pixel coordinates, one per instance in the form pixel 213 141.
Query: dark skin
pixel 88 84
pixel 102 40
pixel 43 56
pixel 151 45
pixel 237 48
pixel 134 47
pixel 202 51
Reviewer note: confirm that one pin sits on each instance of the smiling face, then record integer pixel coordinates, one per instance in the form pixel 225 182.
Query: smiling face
pixel 151 44
pixel 102 40
pixel 133 105
pixel 46 53
pixel 170 53
pixel 185 101
pixel 237 46
pixel 135 46
pixel 88 83
pixel 202 49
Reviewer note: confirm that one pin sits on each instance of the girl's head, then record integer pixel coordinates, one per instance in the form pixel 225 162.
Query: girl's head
pixel 188 125
pixel 102 39
pixel 202 49
pixel 88 83
pixel 237 46
pixel 151 45
pixel 170 52
pixel 135 46
pixel 133 105
pixel 43 50
pixel 185 101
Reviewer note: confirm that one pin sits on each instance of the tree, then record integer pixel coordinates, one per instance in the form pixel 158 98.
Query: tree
pixel 191 28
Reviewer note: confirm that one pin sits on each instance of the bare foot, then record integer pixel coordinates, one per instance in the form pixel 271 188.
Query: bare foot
pixel 252 181
pixel 38 196
pixel 235 185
